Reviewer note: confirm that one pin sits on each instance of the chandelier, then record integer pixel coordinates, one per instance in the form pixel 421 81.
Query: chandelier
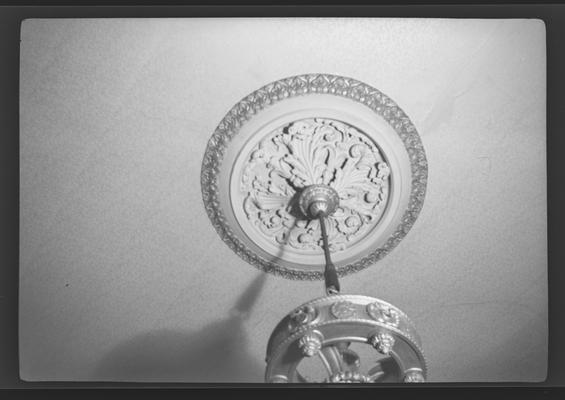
pixel 315 177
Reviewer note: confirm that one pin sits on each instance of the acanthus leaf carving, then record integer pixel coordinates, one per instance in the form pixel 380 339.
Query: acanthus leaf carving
pixel 297 86
pixel 307 152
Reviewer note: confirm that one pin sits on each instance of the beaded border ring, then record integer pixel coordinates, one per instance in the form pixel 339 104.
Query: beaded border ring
pixel 301 85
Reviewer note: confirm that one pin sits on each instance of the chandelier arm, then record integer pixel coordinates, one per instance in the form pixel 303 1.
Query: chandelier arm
pixel 326 362
pixel 375 373
pixel 330 273
pixel 331 357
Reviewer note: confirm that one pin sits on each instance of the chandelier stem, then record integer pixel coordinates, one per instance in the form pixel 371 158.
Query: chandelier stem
pixel 330 273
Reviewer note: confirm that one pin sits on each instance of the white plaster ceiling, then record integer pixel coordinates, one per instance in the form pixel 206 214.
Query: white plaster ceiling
pixel 122 276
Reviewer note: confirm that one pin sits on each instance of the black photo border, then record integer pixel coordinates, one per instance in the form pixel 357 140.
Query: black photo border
pixel 12 13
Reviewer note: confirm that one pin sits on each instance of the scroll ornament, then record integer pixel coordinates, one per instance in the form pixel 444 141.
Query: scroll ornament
pixel 307 152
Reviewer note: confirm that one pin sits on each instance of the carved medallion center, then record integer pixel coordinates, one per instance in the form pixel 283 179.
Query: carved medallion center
pixel 315 151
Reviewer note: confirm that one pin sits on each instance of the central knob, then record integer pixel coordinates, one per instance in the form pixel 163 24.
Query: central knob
pixel 316 199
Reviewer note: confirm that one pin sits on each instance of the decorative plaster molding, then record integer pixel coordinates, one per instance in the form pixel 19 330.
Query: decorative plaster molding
pixel 302 85
pixel 315 151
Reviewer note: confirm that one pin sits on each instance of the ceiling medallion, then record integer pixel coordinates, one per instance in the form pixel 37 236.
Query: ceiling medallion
pixel 314 132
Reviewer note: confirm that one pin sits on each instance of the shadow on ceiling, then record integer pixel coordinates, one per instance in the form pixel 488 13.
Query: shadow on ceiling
pixel 217 353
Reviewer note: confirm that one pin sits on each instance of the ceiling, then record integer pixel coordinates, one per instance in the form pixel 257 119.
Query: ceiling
pixel 122 276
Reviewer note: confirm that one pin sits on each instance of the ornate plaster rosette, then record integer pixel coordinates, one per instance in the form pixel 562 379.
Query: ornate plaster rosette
pixel 314 129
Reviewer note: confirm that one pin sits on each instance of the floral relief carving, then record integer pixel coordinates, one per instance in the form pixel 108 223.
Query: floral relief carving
pixel 304 85
pixel 307 152
pixel 384 314
pixel 343 309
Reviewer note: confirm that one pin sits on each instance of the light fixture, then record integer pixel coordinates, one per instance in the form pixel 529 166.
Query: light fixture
pixel 316 177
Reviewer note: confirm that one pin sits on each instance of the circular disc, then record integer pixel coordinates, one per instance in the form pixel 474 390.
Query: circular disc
pixel 314 129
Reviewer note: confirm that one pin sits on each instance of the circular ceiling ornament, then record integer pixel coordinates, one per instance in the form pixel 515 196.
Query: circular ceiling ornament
pixel 307 131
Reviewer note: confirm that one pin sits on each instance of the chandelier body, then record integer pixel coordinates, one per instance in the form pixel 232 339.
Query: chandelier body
pixel 326 327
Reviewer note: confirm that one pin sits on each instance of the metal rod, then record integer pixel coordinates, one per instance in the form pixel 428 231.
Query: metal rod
pixel 330 274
